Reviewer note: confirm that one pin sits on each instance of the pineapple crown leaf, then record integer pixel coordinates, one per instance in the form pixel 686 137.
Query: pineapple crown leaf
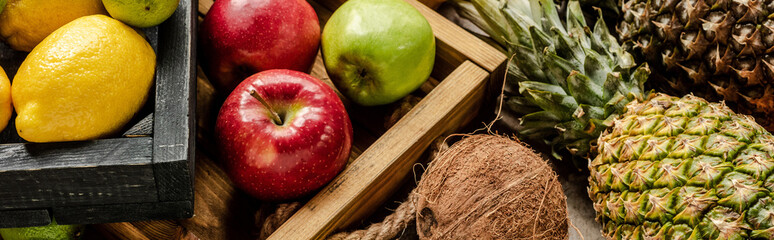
pixel 570 80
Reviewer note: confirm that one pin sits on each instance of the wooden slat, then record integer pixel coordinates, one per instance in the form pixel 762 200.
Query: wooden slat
pixel 24 218
pixel 173 135
pixel 104 213
pixel 204 6
pixel 368 180
pixel 76 173
pixel 144 127
pixel 453 39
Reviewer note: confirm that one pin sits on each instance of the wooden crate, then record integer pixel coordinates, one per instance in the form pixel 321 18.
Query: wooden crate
pixel 143 174
pixel 463 64
pixel 381 156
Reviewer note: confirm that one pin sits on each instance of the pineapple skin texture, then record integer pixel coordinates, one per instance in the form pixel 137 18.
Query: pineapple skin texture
pixel 683 168
pixel 716 49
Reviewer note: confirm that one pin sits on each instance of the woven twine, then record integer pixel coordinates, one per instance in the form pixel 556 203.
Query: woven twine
pixel 392 226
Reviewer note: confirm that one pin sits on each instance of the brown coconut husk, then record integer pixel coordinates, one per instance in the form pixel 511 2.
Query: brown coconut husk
pixel 490 187
pixel 483 187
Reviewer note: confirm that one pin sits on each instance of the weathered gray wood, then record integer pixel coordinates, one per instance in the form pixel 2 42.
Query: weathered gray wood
pixel 175 105
pixel 24 218
pixel 85 154
pixel 105 171
pixel 144 127
pixel 119 179
pixel 123 212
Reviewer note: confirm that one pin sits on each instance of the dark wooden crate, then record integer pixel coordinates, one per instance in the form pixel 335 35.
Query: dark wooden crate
pixel 144 174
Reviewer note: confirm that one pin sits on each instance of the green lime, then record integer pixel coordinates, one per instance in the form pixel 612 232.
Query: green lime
pixel 141 13
pixel 50 232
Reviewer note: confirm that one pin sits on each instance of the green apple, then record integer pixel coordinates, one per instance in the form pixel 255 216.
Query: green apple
pixel 378 51
pixel 141 13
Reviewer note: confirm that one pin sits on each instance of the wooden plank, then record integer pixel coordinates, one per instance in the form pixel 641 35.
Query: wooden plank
pixel 174 132
pixel 24 218
pixel 368 180
pixel 76 173
pixel 144 127
pixel 204 6
pixel 454 39
pixel 122 212
pixel 84 154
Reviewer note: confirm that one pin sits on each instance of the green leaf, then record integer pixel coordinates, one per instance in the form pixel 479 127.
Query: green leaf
pixel 490 19
pixel 540 40
pixel 576 24
pixel 544 87
pixel 585 113
pixel 612 85
pixel 596 68
pixel 538 121
pixel 583 90
pixel 641 75
pixel 528 63
pixel 550 16
pixel 558 68
pixel 567 47
pixel 561 104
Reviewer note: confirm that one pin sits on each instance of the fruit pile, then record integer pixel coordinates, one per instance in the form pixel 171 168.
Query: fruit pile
pixel 89 70
pixel 86 74
pixel 281 133
pixel 661 167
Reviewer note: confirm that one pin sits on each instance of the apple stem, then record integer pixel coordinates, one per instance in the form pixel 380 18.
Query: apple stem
pixel 274 115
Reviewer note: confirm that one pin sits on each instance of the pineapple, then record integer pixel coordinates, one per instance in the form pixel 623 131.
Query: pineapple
pixel 661 167
pixel 714 48
pixel 683 168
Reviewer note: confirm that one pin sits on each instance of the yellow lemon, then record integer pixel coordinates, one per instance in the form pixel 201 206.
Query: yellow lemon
pixel 6 109
pixel 24 23
pixel 84 81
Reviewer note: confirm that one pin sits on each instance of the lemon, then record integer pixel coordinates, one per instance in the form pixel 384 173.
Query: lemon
pixel 24 23
pixel 141 13
pixel 84 81
pixel 50 232
pixel 6 108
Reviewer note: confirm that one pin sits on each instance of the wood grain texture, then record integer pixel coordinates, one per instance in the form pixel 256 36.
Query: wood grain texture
pixel 105 171
pixel 174 129
pixel 377 171
pixel 142 128
pixel 105 213
pixel 112 179
pixel 146 230
pixel 24 218
pixel 453 40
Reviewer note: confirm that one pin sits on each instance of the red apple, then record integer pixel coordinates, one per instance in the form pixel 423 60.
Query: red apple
pixel 241 37
pixel 283 134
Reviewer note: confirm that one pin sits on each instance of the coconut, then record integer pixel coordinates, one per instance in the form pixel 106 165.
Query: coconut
pixel 490 187
pixel 482 187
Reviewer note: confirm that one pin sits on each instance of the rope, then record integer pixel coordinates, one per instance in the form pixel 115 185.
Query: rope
pixel 275 220
pixel 392 226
